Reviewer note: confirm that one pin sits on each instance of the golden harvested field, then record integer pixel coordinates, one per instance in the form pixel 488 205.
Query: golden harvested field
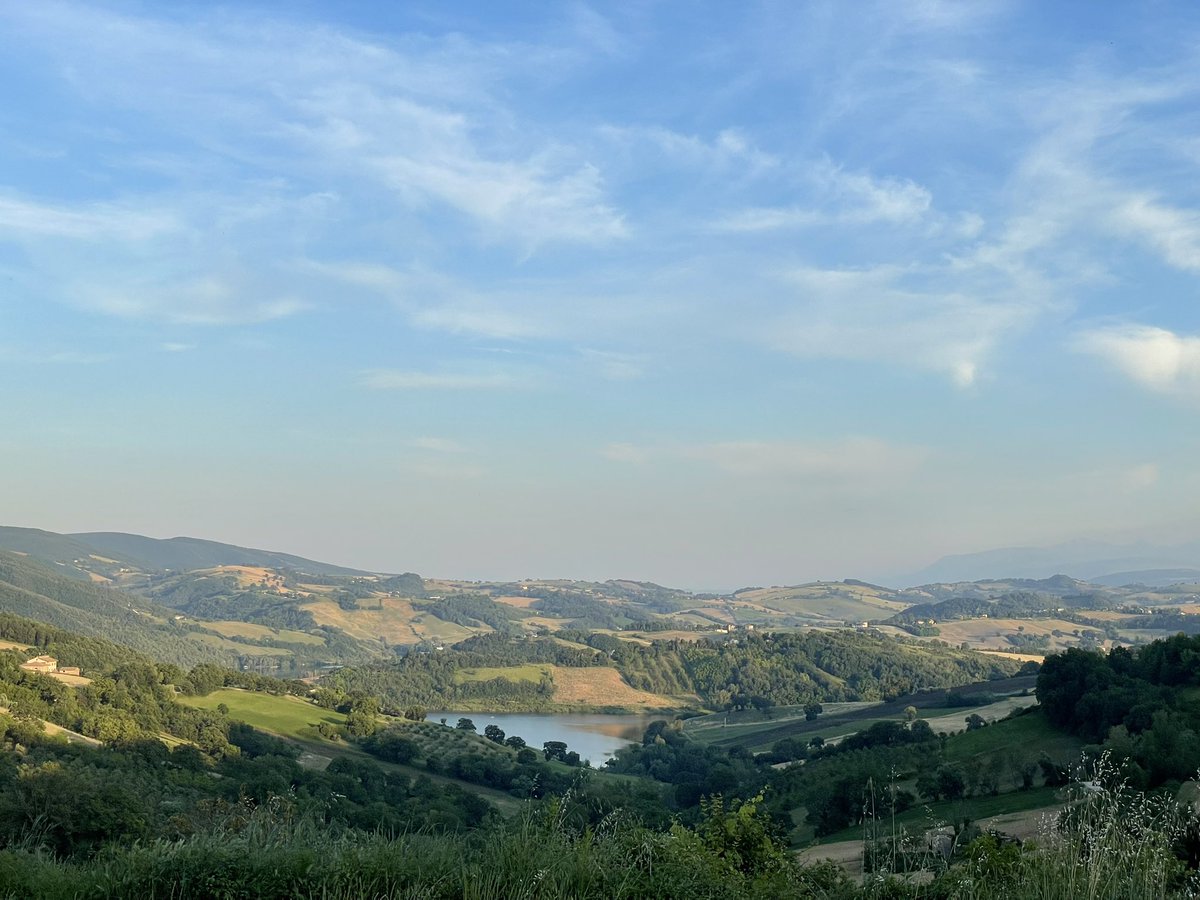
pixel 1106 615
pixel 523 602
pixel 397 621
pixel 316 588
pixel 248 575
pixel 72 680
pixel 601 686
pixel 980 633
pixel 9 645
pixel 97 578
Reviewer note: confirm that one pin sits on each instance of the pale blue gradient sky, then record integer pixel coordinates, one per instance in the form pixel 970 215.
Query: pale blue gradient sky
pixel 709 294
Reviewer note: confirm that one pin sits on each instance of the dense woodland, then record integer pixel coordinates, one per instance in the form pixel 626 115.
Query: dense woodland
pixel 769 670
pixel 1143 705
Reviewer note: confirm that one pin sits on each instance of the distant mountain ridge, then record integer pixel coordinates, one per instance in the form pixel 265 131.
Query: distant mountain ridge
pixel 151 554
pixel 1093 561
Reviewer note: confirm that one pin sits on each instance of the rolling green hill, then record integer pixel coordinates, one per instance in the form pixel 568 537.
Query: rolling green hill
pixel 32 590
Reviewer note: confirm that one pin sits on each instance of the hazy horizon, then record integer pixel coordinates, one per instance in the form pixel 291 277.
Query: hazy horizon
pixel 702 295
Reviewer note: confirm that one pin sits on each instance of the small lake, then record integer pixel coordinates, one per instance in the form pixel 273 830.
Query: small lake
pixel 594 737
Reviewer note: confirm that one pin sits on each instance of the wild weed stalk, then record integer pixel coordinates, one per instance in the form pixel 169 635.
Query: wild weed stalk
pixel 1110 842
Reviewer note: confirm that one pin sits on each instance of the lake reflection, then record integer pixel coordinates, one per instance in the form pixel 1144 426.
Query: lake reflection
pixel 594 737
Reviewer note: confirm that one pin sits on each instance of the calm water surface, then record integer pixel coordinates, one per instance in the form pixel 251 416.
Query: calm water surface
pixel 593 737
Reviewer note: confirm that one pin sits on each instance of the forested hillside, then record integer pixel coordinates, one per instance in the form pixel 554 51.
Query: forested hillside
pixel 783 669
pixel 1142 704
pixel 30 589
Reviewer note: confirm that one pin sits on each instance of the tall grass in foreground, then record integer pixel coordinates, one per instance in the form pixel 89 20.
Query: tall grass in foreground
pixel 1111 843
pixel 266 854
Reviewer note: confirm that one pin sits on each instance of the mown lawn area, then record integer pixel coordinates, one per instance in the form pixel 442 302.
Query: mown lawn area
pixel 282 715
pixel 531 672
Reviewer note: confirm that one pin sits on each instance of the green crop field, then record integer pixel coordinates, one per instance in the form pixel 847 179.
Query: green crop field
pixel 263 633
pixel 286 716
pixel 532 672
pixel 250 649
pixel 1024 732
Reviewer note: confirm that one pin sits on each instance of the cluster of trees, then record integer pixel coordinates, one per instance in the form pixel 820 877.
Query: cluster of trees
pixel 898 764
pixel 75 799
pixel 1014 605
pixel 129 702
pixel 694 770
pixel 826 666
pixel 519 769
pixel 473 610
pixel 1029 643
pixel 1138 703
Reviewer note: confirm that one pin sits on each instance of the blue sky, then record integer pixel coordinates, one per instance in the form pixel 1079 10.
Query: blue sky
pixel 709 294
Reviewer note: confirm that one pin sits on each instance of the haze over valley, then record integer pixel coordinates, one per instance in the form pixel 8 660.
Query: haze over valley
pixel 593 450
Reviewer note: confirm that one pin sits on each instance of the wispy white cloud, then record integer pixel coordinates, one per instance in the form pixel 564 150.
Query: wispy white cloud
pixel 226 298
pixel 1155 358
pixel 22 218
pixel 615 366
pixel 396 380
pixel 919 319
pixel 848 198
pixel 480 317
pixel 27 356
pixel 1173 232
pixel 730 151
pixel 290 132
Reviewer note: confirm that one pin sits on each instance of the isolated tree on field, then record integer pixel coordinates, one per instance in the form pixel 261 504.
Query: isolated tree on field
pixel 812 710
pixel 465 724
